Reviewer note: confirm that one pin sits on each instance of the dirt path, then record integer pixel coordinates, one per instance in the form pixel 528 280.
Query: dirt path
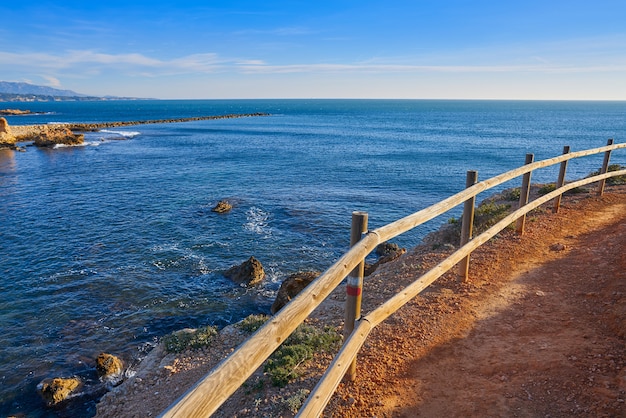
pixel 539 330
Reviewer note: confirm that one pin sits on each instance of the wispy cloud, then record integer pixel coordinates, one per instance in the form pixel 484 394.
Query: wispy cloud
pixel 85 62
pixel 52 81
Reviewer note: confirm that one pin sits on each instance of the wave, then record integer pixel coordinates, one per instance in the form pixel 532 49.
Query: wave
pixel 84 144
pixel 125 134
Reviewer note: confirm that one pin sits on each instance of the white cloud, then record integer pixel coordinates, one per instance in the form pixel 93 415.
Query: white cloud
pixel 52 81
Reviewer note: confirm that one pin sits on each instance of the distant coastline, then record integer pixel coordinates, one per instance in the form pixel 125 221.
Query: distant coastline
pixel 29 98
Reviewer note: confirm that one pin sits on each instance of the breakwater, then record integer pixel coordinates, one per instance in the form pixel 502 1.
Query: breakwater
pixel 49 135
pixel 91 127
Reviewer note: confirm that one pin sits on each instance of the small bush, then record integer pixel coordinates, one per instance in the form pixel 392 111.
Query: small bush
pixel 489 214
pixel 612 181
pixel 512 194
pixel 252 323
pixel 282 366
pixel 576 190
pixel 179 341
pixel 293 403
pixel 546 188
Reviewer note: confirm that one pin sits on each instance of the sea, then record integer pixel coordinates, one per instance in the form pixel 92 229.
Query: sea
pixel 109 246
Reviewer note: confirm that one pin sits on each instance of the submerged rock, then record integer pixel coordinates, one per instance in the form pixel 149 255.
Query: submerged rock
pixel 291 286
pixel 110 368
pixel 55 391
pixel 249 273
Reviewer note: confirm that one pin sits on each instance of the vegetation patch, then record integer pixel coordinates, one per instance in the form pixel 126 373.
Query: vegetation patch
pixel 282 366
pixel 612 181
pixel 179 341
pixel 512 194
pixel 252 323
pixel 546 188
pixel 294 402
pixel 488 214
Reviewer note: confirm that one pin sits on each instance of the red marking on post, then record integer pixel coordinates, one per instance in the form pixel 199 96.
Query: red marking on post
pixel 353 291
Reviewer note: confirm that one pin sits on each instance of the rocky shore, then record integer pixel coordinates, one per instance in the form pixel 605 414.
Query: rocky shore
pixel 46 135
pixel 70 133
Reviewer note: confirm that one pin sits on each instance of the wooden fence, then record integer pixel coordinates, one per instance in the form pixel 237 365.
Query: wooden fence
pixel 207 395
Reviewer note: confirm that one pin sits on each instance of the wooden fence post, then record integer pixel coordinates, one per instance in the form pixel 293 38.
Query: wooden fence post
pixel 467 223
pixel 561 181
pixel 354 286
pixel 523 196
pixel 605 167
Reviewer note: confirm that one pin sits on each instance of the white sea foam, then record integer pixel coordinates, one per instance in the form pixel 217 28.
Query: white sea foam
pixel 258 221
pixel 125 134
pixel 84 144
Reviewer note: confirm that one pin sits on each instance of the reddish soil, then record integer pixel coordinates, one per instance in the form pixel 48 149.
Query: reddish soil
pixel 538 330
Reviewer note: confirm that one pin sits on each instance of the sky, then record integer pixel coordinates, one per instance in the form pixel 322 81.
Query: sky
pixel 420 49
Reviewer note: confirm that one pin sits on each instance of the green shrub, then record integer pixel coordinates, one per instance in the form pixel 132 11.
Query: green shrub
pixel 613 181
pixel 546 188
pixel 282 366
pixel 576 190
pixel 179 341
pixel 252 323
pixel 293 403
pixel 489 214
pixel 512 194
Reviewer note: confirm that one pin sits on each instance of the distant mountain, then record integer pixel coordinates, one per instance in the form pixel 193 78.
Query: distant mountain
pixel 25 88
pixel 25 92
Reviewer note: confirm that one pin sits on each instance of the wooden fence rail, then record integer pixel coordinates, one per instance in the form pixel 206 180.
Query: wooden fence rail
pixel 207 395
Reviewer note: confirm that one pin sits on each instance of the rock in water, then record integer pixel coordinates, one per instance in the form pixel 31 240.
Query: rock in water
pixel 15 112
pixel 249 273
pixel 58 389
pixel 6 137
pixel 291 286
pixel 110 368
pixel 222 206
pixel 53 135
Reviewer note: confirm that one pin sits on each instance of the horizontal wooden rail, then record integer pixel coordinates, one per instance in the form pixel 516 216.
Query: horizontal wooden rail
pixel 207 395
pixel 409 222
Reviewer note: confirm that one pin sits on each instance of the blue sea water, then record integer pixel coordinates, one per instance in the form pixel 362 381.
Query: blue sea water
pixel 111 245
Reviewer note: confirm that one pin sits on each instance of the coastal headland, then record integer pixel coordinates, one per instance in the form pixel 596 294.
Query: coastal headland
pixel 70 133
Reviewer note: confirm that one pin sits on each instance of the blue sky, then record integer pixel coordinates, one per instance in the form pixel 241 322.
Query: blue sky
pixel 453 49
